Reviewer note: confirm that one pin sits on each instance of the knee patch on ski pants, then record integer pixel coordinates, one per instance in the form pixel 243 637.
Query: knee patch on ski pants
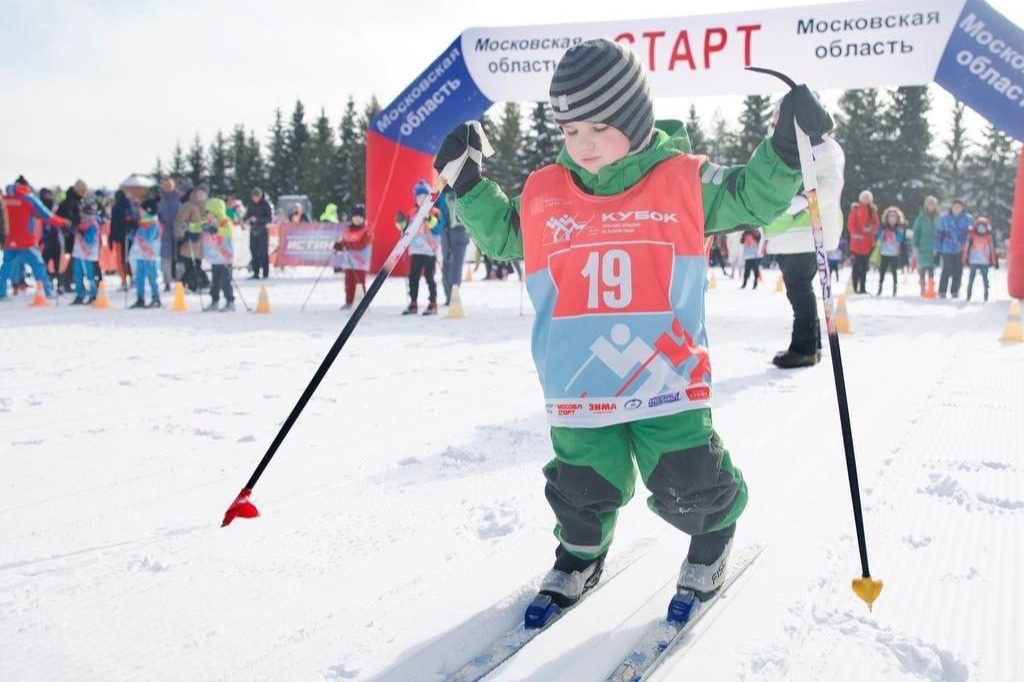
pixel 693 483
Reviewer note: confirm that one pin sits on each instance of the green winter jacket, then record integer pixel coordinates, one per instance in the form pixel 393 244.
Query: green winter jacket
pixel 735 197
pixel 924 239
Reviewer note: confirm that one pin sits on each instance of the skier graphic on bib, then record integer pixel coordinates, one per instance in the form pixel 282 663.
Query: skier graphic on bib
pixel 612 237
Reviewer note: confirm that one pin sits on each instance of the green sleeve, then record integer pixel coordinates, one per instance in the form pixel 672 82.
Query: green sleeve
pixel 492 219
pixel 918 234
pixel 736 197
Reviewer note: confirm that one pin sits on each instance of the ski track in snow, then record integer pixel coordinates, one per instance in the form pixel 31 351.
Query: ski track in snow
pixel 404 521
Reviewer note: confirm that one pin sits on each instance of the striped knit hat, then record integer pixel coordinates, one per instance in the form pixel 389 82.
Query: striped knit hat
pixel 601 81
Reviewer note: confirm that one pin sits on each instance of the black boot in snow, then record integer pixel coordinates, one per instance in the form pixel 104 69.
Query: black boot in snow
pixel 155 303
pixel 563 586
pixel 703 570
pixel 431 309
pixel 411 310
pixel 139 303
pixel 789 359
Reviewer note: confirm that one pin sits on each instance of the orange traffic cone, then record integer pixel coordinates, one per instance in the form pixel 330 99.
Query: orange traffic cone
pixel 842 319
pixel 929 291
pixel 780 286
pixel 101 302
pixel 40 299
pixel 263 304
pixel 469 274
pixel 1014 331
pixel 455 309
pixel 712 283
pixel 179 305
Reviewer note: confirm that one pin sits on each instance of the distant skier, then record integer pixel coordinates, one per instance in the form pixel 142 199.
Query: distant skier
pixel 85 254
pixel 218 250
pixel 925 225
pixel 26 218
pixel 862 225
pixel 145 258
pixel 423 251
pixel 353 253
pixel 633 274
pixel 950 238
pixel 890 238
pixel 979 253
pixel 751 241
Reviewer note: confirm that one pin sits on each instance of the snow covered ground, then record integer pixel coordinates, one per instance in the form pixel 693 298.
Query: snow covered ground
pixel 408 500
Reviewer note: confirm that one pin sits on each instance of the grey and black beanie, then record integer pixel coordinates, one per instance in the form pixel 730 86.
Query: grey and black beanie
pixel 603 82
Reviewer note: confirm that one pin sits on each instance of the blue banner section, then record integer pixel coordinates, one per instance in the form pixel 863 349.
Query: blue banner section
pixel 440 97
pixel 983 65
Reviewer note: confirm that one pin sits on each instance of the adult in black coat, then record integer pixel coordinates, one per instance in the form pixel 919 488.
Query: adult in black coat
pixel 258 216
pixel 123 221
pixel 71 210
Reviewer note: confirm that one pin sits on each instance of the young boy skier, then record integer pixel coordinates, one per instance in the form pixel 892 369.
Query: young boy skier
pixel 354 250
pixel 218 250
pixel 613 238
pixel 145 258
pixel 423 251
pixel 85 254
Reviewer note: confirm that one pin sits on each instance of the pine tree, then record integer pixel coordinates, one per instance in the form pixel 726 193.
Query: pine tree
pixel 346 161
pixel 721 145
pixel 178 170
pixel 277 158
pixel 257 167
pixel 219 167
pixel 993 174
pixel 909 166
pixel 753 126
pixel 196 161
pixel 542 142
pixel 507 142
pixel 245 163
pixel 859 133
pixel 958 157
pixel 357 177
pixel 295 146
pixel 317 172
pixel 698 141
pixel 158 171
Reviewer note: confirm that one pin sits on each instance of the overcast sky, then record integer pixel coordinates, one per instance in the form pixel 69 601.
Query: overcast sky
pixel 98 88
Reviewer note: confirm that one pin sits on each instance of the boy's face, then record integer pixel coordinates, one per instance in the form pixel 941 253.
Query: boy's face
pixel 594 145
pixel 357 220
pixel 958 208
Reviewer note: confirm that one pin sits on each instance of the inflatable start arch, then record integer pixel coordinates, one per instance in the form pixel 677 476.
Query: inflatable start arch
pixel 965 46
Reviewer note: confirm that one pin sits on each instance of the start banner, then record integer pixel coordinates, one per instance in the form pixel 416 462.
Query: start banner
pixel 305 243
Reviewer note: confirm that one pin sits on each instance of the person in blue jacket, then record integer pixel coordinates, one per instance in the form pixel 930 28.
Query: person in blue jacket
pixel 950 237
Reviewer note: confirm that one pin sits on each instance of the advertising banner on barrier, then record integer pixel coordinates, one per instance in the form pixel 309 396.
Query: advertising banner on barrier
pixel 306 243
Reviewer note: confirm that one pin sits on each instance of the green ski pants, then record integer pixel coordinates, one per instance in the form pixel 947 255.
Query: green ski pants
pixel 682 461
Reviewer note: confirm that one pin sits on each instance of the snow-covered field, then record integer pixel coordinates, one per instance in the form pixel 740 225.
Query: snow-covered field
pixel 404 516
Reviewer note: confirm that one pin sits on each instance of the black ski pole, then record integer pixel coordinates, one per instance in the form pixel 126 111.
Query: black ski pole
pixel 864 587
pixel 322 270
pixel 242 505
pixel 240 296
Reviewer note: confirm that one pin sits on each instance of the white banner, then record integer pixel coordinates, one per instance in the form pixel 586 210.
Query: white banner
pixel 850 45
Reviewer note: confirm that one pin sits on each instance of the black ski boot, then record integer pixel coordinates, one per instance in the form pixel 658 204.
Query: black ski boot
pixel 702 573
pixel 411 310
pixel 562 587
pixel 139 303
pixel 787 359
pixel 78 301
pixel 155 303
pixel 431 309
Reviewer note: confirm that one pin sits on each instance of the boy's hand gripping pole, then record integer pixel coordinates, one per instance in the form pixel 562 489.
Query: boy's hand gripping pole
pixel 865 587
pixel 243 506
